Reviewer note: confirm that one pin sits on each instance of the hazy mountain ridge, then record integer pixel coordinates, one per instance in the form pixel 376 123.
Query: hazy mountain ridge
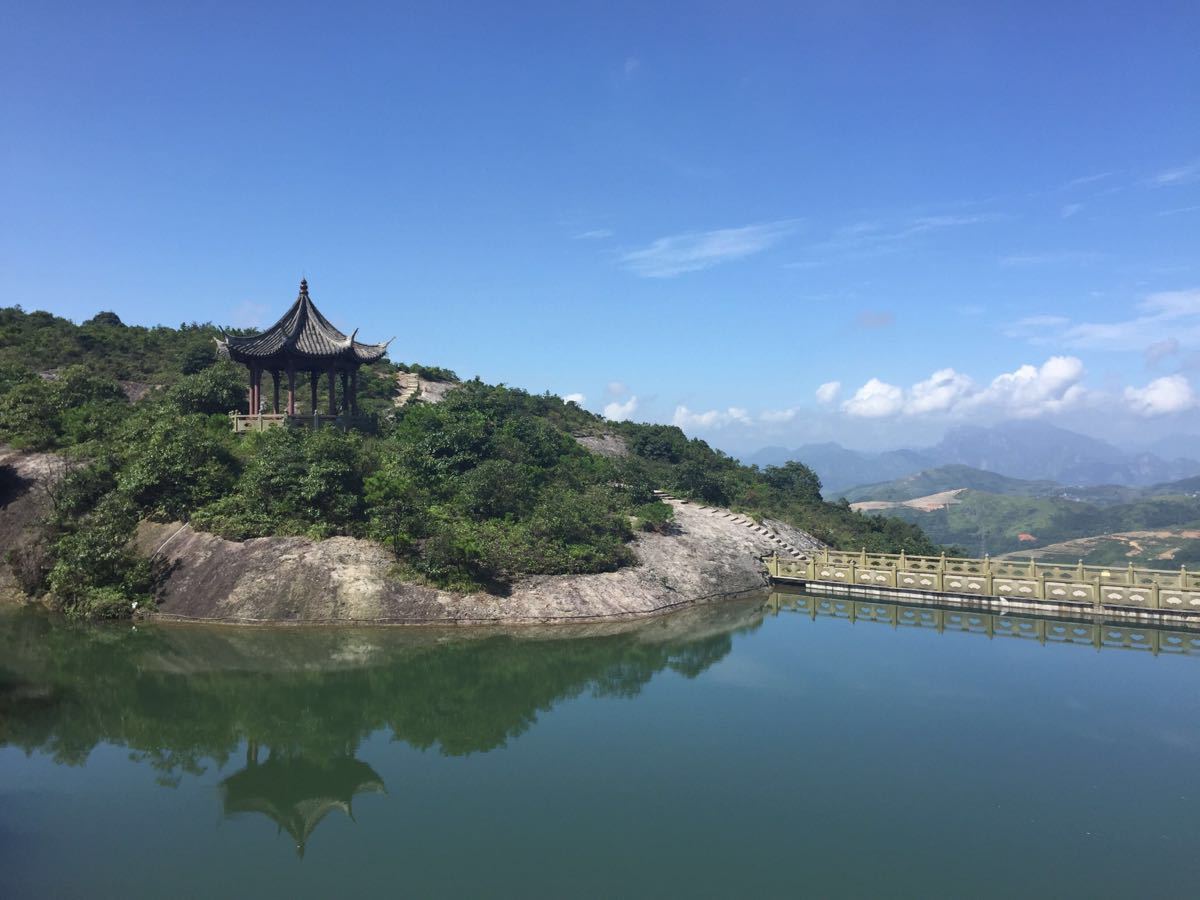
pixel 949 478
pixel 1032 451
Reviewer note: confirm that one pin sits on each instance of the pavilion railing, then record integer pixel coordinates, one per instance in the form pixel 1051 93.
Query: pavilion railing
pixel 1128 586
pixel 243 422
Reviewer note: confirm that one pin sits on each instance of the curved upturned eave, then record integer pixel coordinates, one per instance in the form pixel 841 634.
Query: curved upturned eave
pixel 302 337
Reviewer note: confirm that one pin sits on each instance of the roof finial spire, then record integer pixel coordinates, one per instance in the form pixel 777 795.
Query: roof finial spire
pixel 304 286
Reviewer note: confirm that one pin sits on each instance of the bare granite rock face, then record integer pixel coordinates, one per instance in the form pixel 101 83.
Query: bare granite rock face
pixel 346 580
pixel 23 502
pixel 605 444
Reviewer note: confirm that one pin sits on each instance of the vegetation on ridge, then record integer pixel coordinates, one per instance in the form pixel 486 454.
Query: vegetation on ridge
pixel 477 491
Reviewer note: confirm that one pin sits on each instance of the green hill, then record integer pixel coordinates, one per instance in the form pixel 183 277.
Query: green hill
pixel 949 478
pixel 983 522
pixel 476 491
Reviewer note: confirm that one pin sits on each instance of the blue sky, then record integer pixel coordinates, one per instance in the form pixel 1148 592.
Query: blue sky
pixel 701 213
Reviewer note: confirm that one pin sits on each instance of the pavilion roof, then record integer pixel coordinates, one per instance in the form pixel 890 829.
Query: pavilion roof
pixel 302 335
pixel 297 793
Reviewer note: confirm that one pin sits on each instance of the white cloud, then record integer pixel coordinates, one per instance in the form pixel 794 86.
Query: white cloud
pixel 677 254
pixel 632 64
pixel 1025 392
pixel 620 411
pixel 713 418
pixel 594 235
pixel 940 392
pixel 1032 391
pixel 577 399
pixel 615 389
pixel 1070 209
pixel 1162 396
pixel 1178 174
pixel 829 392
pixel 875 399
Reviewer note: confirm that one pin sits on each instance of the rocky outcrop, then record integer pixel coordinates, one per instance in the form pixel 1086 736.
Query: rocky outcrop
pixel 346 580
pixel 25 481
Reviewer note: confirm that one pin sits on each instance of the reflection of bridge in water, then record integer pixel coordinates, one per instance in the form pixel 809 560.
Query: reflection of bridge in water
pixel 1130 592
pixel 1043 629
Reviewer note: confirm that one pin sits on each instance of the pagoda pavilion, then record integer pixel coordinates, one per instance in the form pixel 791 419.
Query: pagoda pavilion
pixel 302 341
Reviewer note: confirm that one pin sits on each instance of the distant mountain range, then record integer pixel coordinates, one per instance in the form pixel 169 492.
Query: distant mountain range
pixel 1032 451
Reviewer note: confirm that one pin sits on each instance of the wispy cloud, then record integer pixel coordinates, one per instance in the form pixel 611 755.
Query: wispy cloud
pixel 872 238
pixel 693 251
pixel 1070 209
pixel 1173 315
pixel 594 235
pixel 1164 323
pixel 1177 175
pixel 249 314
pixel 1052 258
pixel 1179 210
pixel 1085 180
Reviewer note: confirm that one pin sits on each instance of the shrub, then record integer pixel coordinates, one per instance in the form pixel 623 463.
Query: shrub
pixel 655 516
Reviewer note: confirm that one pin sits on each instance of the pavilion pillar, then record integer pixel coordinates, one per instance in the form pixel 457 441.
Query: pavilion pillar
pixel 314 382
pixel 255 390
pixel 332 391
pixel 291 406
pixel 354 391
pixel 345 391
pixel 275 380
pixel 250 397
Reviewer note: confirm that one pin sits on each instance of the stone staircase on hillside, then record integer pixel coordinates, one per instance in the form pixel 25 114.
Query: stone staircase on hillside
pixel 745 521
pixel 408 386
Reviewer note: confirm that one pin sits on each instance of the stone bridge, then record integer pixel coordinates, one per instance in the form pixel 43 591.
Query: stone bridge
pixel 1130 592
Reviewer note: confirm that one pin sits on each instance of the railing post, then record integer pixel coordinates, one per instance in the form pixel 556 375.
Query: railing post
pixel 1183 577
pixel 1079 571
pixel 1154 594
pixel 987 574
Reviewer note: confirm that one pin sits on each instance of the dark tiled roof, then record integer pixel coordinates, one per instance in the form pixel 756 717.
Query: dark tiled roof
pixel 303 334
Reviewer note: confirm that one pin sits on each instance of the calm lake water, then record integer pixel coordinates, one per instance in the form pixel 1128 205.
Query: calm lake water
pixel 736 749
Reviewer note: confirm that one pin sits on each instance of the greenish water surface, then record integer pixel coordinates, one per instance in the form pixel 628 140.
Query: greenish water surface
pixel 783 746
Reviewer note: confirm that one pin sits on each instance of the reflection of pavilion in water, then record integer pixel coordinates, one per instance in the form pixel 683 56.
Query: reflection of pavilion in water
pixel 1098 634
pixel 295 792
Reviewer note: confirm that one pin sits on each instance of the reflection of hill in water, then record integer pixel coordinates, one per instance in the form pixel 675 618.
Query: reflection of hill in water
pixel 178 696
